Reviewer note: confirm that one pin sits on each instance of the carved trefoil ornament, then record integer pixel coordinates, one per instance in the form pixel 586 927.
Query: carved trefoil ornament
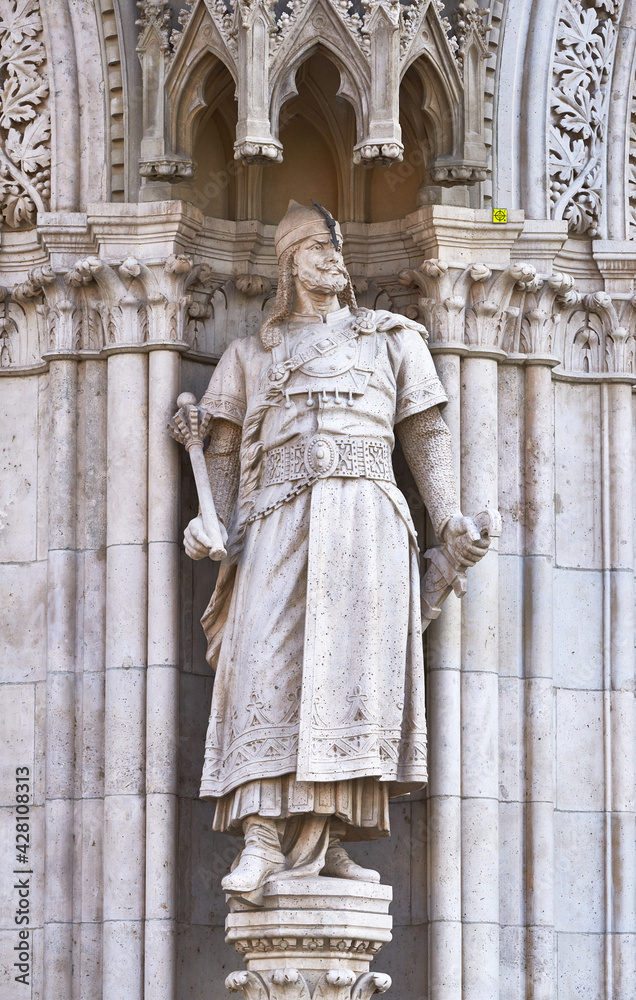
pixel 25 121
pixel 263 44
pixel 582 71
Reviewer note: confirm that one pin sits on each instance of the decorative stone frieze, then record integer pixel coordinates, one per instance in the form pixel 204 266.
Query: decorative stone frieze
pixel 468 305
pixel 98 305
pixel 25 120
pixel 599 335
pixel 582 71
pixel 445 292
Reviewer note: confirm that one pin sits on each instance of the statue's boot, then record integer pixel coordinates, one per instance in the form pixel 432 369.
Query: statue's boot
pixel 338 864
pixel 260 858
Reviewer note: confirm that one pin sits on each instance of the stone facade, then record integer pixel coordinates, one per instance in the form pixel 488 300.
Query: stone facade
pixel 145 158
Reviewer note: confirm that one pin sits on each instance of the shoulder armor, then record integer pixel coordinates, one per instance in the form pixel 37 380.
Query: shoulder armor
pixel 388 322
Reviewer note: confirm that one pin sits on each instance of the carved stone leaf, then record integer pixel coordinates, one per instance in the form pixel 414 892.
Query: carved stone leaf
pixel 572 73
pixel 24 58
pixel 30 149
pixel 578 219
pixel 575 114
pixel 576 29
pixel 20 18
pixel 567 155
pixel 17 206
pixel 18 103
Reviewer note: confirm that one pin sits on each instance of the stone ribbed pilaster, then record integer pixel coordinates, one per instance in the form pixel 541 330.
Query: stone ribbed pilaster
pixel 465 307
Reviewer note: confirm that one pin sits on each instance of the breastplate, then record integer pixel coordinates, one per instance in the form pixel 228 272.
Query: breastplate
pixel 338 375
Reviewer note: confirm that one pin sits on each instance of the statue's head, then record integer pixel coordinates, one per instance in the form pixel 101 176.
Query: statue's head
pixel 308 245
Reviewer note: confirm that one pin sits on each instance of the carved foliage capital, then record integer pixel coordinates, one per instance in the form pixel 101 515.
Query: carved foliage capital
pixel 289 984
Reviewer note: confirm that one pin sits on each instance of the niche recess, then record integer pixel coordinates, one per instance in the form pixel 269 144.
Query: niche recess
pixel 318 131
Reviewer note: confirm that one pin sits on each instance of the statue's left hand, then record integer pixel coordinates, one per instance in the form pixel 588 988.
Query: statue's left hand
pixel 464 541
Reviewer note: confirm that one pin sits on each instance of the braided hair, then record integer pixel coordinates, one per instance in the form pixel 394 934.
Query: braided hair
pixel 271 335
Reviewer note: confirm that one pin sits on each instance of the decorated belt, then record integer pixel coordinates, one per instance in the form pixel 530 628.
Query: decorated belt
pixel 321 455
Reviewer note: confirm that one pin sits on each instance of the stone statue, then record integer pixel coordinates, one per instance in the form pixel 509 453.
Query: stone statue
pixel 314 629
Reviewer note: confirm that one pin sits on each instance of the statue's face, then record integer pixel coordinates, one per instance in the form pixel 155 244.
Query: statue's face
pixel 318 266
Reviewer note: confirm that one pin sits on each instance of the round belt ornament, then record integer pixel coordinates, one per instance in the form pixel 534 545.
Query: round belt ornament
pixel 321 456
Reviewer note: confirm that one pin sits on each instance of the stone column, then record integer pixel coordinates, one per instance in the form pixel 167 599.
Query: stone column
pixel 444 291
pixel 162 693
pixel 466 305
pixel 540 745
pixel 126 654
pixel 479 689
pixel 60 683
pixel 618 686
pixel 443 647
pixel 91 635
pixel 614 307
pixel 485 329
pixel 66 141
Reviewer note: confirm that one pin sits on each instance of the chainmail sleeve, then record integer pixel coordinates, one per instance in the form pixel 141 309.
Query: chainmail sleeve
pixel 222 457
pixel 426 443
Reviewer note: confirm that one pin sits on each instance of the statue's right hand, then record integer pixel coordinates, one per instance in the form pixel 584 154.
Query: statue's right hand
pixel 197 544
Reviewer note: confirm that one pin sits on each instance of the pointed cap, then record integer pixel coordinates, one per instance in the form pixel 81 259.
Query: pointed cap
pixel 301 222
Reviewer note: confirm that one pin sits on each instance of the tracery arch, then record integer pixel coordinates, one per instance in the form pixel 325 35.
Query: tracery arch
pixel 317 128
pixel 212 128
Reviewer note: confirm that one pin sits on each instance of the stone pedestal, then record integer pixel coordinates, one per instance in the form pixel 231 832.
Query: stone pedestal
pixel 310 938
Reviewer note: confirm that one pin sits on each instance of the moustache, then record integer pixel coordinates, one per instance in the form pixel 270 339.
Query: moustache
pixel 333 268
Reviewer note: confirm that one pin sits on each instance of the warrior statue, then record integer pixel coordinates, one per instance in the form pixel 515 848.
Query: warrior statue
pixel 314 629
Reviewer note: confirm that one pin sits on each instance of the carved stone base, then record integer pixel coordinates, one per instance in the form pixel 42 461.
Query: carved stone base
pixel 313 928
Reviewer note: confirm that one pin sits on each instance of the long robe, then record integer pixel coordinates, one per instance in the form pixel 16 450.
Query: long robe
pixel 315 632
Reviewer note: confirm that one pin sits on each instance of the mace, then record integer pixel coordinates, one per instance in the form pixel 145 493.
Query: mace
pixel 190 426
